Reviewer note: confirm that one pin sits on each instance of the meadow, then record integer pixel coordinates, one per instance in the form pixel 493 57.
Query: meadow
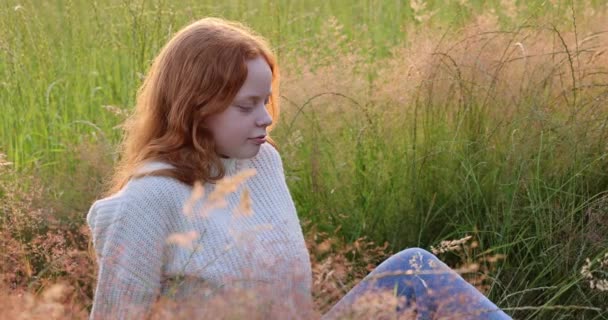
pixel 403 124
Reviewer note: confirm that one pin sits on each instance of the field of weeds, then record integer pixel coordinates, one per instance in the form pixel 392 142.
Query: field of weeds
pixel 403 124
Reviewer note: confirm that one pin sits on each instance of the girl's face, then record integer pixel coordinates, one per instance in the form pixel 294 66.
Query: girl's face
pixel 235 129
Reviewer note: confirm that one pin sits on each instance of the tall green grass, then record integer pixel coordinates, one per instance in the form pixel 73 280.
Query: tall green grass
pixel 63 60
pixel 502 135
pixel 404 123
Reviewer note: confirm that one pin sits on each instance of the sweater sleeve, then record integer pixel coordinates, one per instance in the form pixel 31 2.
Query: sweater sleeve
pixel 129 240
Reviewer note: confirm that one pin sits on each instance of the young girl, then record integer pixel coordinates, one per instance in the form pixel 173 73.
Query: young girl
pixel 199 206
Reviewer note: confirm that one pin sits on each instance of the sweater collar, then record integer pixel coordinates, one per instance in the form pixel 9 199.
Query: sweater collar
pixel 230 166
pixel 150 166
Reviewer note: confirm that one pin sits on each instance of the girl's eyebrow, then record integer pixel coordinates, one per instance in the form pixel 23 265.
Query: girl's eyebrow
pixel 255 98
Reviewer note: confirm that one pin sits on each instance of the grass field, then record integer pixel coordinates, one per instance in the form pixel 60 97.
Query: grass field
pixel 405 122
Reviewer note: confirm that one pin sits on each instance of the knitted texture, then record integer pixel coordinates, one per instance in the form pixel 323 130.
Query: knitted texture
pixel 154 238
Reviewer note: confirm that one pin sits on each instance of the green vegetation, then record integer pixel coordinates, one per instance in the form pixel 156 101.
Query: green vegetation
pixel 404 122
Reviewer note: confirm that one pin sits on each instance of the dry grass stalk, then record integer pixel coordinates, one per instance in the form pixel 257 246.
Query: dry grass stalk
pixel 224 187
pixel 197 193
pixel 230 184
pixel 591 271
pixel 338 266
pixel 421 13
pixel 475 271
pixel 379 305
pixel 54 302
pixel 3 161
pixel 450 245
pixel 244 208
pixel 184 239
pixel 117 111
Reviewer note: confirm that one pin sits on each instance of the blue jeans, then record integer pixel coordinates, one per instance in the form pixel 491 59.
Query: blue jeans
pixel 426 287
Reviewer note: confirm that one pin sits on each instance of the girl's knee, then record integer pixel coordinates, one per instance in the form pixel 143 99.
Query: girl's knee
pixel 411 258
pixel 416 253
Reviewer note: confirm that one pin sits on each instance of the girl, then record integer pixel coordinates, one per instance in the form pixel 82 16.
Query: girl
pixel 199 208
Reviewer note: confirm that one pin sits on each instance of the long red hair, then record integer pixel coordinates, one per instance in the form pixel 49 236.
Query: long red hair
pixel 197 74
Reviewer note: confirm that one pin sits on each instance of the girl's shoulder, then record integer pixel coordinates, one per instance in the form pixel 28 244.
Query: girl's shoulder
pixel 153 188
pixel 156 196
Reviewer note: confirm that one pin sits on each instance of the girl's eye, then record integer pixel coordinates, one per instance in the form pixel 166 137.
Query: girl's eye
pixel 244 109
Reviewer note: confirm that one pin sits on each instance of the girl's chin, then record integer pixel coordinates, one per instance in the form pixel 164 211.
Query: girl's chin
pixel 249 152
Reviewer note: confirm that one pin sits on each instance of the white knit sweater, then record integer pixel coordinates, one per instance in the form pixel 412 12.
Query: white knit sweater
pixel 148 245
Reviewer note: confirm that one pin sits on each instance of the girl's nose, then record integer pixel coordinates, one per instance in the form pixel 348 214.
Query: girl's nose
pixel 264 120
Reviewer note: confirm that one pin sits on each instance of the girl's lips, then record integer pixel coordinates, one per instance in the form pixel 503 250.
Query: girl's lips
pixel 258 140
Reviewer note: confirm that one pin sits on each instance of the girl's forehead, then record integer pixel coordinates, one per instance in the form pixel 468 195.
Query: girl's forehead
pixel 258 83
